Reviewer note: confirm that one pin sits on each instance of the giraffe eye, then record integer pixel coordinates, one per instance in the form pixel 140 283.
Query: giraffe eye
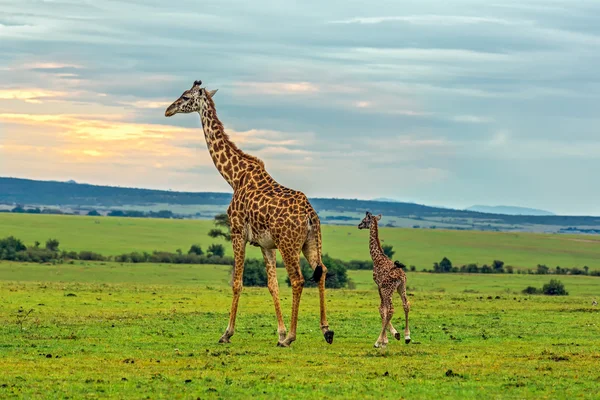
pixel 185 98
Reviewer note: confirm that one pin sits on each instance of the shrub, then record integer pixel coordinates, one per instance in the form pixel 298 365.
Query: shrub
pixel 196 249
pixel 498 266
pixel 52 244
pixel 216 250
pixel 530 290
pixel 255 273
pixel 388 250
pixel 36 255
pixel 357 264
pixel 337 276
pixel 9 247
pixel 554 288
pixel 542 269
pixel 91 256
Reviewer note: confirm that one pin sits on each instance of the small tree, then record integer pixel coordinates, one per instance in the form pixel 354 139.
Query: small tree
pixel 554 288
pixel 216 250
pixel 542 269
pixel 93 213
pixel 196 249
pixel 498 266
pixel 221 221
pixel 446 265
pixel 388 250
pixel 52 244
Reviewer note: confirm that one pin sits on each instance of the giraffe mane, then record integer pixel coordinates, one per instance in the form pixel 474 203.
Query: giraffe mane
pixel 247 156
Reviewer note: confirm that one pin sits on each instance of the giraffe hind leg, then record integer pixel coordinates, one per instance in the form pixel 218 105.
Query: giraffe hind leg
pixel 319 275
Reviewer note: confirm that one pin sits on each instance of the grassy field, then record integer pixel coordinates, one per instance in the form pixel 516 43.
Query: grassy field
pixel 419 247
pixel 150 331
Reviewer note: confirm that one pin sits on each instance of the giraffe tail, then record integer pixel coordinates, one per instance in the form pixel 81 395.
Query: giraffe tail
pixel 315 226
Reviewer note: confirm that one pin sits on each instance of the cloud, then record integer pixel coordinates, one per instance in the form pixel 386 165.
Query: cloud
pixel 436 96
pixel 29 95
pixel 431 19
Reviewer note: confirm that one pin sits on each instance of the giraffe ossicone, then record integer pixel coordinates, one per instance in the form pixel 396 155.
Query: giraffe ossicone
pixel 263 213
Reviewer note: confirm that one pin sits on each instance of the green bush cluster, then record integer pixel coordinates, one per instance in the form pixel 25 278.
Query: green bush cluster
pixel 552 288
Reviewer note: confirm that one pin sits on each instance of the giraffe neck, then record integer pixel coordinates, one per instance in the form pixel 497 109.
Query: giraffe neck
pixel 374 244
pixel 232 163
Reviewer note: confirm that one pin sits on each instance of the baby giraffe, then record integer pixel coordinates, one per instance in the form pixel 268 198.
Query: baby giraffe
pixel 389 277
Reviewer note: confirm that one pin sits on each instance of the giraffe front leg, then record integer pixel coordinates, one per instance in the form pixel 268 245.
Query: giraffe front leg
pixel 271 264
pixel 292 265
pixel 239 249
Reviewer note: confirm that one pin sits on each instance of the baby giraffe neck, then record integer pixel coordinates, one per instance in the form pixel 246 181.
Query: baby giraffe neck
pixel 374 244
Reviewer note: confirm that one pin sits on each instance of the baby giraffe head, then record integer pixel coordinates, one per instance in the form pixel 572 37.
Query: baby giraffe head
pixel 192 100
pixel 368 220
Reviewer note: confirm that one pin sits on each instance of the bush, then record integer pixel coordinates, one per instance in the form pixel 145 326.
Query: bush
pixel 52 244
pixel 337 276
pixel 196 249
pixel 255 273
pixel 360 265
pixel 530 290
pixel 36 255
pixel 388 250
pixel 554 288
pixel 91 256
pixel 216 250
pixel 9 247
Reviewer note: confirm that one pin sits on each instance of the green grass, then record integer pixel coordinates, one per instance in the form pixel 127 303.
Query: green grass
pixel 148 330
pixel 419 247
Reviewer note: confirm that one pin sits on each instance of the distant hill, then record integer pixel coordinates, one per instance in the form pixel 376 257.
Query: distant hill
pixel 81 197
pixel 509 210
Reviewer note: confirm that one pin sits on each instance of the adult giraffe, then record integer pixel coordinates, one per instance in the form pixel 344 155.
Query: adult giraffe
pixel 263 213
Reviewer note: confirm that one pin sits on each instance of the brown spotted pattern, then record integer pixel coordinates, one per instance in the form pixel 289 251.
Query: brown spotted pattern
pixel 390 278
pixel 263 213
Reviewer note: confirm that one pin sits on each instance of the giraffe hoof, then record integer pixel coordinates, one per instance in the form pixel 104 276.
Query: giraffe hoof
pixel 407 339
pixel 224 340
pixel 397 336
pixel 328 336
pixel 282 344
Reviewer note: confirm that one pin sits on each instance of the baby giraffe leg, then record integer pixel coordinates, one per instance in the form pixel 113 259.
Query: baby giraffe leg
pixel 406 305
pixel 386 310
pixel 393 331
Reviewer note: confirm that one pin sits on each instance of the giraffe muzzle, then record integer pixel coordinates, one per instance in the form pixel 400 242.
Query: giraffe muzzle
pixel 170 111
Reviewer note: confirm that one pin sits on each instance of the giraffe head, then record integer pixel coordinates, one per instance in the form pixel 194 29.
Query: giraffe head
pixel 368 220
pixel 191 100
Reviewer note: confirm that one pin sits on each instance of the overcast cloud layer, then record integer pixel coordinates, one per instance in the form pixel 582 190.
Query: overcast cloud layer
pixel 473 102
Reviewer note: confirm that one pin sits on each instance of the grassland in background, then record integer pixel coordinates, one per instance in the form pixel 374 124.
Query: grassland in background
pixel 419 247
pixel 148 330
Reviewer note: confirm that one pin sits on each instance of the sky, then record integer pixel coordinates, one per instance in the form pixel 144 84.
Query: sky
pixel 447 103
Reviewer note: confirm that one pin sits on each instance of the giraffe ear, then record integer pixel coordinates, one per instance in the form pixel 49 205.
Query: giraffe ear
pixel 368 213
pixel 378 217
pixel 211 93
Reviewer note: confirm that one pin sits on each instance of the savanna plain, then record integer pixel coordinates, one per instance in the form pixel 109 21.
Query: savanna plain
pixel 119 330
